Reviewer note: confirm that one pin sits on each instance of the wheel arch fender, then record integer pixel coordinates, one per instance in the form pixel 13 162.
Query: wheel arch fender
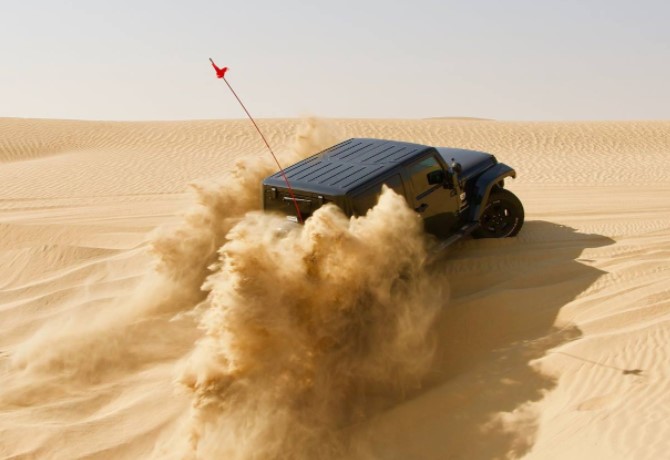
pixel 484 184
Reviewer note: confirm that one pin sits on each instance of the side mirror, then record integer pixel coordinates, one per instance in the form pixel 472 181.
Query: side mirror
pixel 436 177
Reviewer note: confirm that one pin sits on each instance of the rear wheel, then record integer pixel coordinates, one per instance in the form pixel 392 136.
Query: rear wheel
pixel 502 216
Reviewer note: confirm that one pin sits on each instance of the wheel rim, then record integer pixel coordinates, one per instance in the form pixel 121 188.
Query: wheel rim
pixel 498 219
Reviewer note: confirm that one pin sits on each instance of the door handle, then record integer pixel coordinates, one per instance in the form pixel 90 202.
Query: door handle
pixel 422 207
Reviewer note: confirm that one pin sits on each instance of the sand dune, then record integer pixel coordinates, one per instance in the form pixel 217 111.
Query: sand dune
pixel 553 344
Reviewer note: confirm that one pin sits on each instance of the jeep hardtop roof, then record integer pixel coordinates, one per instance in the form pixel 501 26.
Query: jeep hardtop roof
pixel 352 163
pixel 345 166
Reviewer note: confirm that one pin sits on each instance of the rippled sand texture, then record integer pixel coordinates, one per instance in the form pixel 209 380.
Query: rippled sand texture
pixel 554 344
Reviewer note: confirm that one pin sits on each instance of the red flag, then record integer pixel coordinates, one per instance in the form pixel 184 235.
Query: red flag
pixel 219 72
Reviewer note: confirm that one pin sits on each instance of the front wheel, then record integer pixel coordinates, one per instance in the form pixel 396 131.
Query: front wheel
pixel 502 216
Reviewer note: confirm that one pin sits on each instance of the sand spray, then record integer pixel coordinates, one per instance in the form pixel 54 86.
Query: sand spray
pixel 283 340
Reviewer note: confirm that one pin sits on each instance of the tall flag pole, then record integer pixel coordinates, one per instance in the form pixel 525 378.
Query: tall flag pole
pixel 221 73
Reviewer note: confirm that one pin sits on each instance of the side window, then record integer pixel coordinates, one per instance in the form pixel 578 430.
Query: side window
pixel 395 183
pixel 369 197
pixel 418 173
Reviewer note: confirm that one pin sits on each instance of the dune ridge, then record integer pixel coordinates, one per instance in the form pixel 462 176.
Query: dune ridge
pixel 549 345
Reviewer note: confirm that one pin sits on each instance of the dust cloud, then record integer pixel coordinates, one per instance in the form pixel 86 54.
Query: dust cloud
pixel 309 332
pixel 283 339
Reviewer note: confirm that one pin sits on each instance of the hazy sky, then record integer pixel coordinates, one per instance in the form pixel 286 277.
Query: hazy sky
pixel 509 60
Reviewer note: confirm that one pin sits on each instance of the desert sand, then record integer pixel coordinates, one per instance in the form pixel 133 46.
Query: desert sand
pixel 551 345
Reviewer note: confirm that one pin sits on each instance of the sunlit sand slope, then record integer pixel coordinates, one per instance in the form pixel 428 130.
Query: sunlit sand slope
pixel 554 344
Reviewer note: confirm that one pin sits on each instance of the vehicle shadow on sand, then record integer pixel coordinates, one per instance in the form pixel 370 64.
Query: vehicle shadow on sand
pixel 505 297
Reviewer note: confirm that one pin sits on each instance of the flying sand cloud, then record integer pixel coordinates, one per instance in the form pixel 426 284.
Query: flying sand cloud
pixel 286 339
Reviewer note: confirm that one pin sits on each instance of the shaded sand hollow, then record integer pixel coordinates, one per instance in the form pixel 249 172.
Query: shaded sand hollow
pixel 551 345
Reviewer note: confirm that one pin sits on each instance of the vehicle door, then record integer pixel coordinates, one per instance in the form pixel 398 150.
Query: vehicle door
pixel 366 199
pixel 436 204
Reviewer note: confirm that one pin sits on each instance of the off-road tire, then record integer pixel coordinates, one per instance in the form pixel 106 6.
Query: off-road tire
pixel 502 216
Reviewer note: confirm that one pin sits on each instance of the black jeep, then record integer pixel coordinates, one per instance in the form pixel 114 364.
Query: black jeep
pixel 458 192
